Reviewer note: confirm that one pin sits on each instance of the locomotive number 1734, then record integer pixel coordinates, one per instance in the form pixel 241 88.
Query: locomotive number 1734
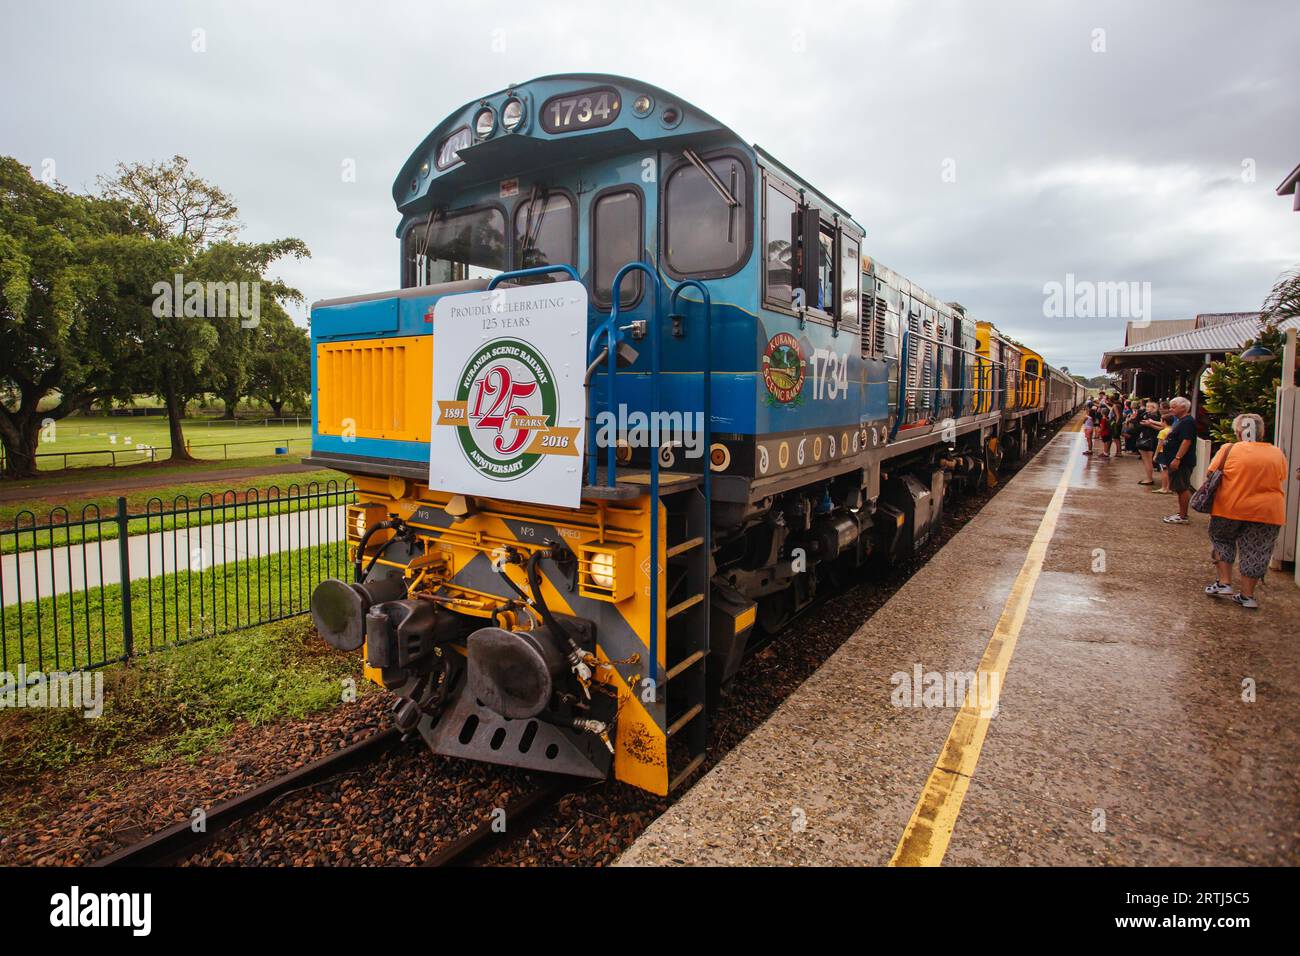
pixel 830 374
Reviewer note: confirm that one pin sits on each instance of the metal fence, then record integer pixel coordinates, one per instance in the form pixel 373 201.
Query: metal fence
pixel 139 453
pixel 82 591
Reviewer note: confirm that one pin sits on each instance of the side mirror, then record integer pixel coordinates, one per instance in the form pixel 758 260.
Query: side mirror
pixel 807 227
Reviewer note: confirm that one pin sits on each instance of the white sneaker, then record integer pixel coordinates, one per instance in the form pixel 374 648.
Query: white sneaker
pixel 1246 602
pixel 1219 590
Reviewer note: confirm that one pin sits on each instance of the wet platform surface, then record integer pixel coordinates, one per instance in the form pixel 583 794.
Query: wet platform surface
pixel 1124 732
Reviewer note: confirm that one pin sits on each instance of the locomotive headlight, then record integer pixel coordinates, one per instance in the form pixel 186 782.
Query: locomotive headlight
pixel 485 122
pixel 359 525
pixel 606 572
pixel 642 105
pixel 602 571
pixel 512 114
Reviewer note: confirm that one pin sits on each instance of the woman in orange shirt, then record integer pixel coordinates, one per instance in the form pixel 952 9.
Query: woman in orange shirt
pixel 1249 509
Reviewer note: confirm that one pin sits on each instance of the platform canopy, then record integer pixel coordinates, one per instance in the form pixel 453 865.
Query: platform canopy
pixel 1172 364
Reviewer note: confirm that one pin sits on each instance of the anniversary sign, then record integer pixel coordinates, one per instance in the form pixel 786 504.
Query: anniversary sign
pixel 507 393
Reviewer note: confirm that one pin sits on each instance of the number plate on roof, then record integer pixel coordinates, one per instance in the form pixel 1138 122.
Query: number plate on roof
pixel 586 109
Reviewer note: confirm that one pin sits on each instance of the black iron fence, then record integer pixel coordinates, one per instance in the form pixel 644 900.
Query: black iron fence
pixel 79 591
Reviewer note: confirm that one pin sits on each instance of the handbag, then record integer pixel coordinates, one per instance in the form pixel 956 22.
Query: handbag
pixel 1203 499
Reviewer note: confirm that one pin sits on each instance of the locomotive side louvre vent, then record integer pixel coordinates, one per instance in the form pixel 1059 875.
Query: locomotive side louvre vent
pixel 867 304
pixel 914 354
pixel 374 388
pixel 931 360
pixel 880 324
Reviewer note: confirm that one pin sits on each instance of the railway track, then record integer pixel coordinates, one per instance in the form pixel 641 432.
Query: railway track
pixel 180 840
pixel 495 839
pixel 495 833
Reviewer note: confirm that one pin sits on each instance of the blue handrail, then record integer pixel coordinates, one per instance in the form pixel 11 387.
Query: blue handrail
pixel 611 371
pixel 904 363
pixel 708 384
pixel 534 271
pixel 611 364
pixel 708 436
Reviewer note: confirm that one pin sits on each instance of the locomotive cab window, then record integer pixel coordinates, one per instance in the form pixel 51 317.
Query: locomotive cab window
pixel 706 216
pixel 778 246
pixel 616 229
pixel 850 280
pixel 446 247
pixel 545 233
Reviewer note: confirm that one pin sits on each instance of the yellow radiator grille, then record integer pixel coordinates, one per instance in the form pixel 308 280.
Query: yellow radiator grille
pixel 375 388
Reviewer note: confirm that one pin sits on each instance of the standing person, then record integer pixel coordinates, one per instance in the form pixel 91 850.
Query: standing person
pixel 1180 457
pixel 1113 429
pixel 1103 426
pixel 1145 426
pixel 1249 510
pixel 1088 423
pixel 1167 421
pixel 1131 413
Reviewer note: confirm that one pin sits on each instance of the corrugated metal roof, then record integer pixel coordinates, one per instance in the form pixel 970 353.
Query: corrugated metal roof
pixel 1136 332
pixel 1218 318
pixel 1217 338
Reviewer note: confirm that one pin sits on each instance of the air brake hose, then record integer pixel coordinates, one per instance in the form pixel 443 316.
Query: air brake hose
pixel 393 523
pixel 512 558
pixel 535 584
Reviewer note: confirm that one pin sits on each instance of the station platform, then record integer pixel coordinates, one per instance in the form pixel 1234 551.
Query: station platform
pixel 1138 721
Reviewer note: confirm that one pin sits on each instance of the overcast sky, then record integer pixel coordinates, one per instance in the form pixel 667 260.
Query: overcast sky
pixel 988 148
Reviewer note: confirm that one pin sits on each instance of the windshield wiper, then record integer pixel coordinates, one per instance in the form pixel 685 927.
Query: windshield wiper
pixel 693 158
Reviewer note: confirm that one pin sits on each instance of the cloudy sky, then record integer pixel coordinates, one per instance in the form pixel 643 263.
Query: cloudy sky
pixel 988 148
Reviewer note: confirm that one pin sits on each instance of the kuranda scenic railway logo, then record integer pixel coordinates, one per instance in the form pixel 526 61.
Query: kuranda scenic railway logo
pixel 505 411
pixel 784 369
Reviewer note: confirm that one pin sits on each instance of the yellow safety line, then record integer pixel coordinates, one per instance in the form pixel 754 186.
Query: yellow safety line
pixel 925 841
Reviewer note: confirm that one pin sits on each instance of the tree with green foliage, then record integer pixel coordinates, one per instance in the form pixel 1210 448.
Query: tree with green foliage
pixel 173 201
pixel 281 363
pixel 63 342
pixel 190 348
pixel 1283 300
pixel 240 357
pixel 1234 386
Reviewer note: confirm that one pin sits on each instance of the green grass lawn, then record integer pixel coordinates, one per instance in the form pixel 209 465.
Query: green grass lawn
pixel 183 702
pixel 130 439
pixel 85 627
pixel 44 509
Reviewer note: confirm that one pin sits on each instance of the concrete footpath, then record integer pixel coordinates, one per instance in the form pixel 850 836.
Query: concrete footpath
pixel 1138 722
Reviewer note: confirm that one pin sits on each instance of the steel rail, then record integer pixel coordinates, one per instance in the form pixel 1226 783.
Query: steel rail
pixel 178 841
pixel 473 846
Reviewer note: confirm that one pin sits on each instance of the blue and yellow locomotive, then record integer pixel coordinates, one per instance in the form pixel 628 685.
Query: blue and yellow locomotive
pixel 760 409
